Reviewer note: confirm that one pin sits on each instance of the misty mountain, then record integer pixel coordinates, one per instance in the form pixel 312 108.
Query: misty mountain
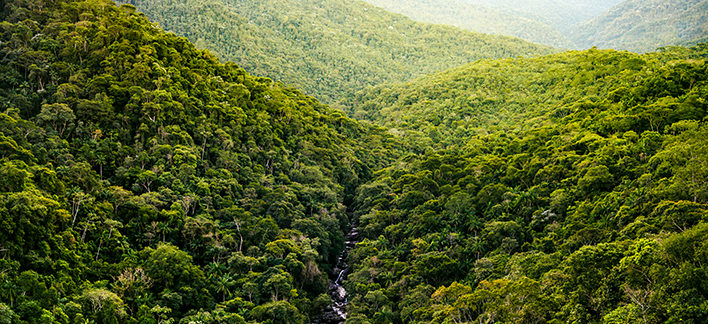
pixel 480 18
pixel 634 25
pixel 644 25
pixel 562 15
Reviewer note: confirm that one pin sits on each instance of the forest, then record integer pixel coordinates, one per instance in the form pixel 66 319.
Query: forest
pixel 645 25
pixel 633 25
pixel 480 18
pixel 565 188
pixel 327 48
pixel 147 180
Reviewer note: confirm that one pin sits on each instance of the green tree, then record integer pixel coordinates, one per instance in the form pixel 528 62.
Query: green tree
pixel 58 118
pixel 103 306
pixel 277 312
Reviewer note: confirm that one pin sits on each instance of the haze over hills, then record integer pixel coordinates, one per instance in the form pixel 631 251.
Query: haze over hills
pixel 635 25
pixel 644 25
pixel 479 18
pixel 327 47
pixel 560 14
pixel 549 22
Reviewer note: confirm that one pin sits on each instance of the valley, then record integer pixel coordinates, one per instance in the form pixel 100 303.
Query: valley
pixel 319 161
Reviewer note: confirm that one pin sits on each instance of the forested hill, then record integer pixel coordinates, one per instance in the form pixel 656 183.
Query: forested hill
pixel 478 18
pixel 634 25
pixel 561 14
pixel 571 188
pixel 445 109
pixel 644 25
pixel 326 48
pixel 145 182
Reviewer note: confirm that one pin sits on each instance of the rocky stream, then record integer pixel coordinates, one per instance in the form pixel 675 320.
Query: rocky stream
pixel 336 313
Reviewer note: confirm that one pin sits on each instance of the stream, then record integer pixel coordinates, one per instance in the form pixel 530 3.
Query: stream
pixel 336 313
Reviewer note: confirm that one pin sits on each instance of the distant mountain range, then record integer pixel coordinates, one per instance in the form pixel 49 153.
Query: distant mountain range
pixel 634 25
pixel 644 25
pixel 559 14
pixel 481 17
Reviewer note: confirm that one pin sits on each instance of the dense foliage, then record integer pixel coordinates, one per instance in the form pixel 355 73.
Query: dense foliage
pixel 326 48
pixel 145 182
pixel 447 108
pixel 645 25
pixel 569 188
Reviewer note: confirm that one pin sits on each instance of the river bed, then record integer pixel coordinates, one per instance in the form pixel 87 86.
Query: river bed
pixel 336 313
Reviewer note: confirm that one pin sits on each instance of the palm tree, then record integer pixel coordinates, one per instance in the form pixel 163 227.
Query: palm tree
pixel 384 316
pixel 164 228
pixel 9 290
pixel 223 283
pixel 101 160
pixel 477 246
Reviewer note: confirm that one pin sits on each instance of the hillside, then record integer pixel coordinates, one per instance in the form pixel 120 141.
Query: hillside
pixel 444 109
pixel 634 25
pixel 644 25
pixel 326 48
pixel 550 22
pixel 562 15
pixel 145 182
pixel 479 18
pixel 567 188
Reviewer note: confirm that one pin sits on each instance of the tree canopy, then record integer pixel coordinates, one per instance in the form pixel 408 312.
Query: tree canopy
pixel 327 48
pixel 145 181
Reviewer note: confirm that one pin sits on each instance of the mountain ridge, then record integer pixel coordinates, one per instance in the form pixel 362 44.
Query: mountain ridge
pixel 327 48
pixel 478 18
pixel 644 25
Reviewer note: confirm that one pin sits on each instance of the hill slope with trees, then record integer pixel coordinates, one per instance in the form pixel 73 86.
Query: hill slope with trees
pixel 634 25
pixel 478 18
pixel 145 182
pixel 327 48
pixel 645 25
pixel 567 188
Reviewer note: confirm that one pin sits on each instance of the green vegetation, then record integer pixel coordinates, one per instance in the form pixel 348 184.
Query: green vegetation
pixel 561 14
pixel 634 25
pixel 645 25
pixel 478 18
pixel 326 48
pixel 568 188
pixel 143 181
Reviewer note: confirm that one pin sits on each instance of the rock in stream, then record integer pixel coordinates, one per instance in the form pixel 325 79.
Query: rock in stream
pixel 336 313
